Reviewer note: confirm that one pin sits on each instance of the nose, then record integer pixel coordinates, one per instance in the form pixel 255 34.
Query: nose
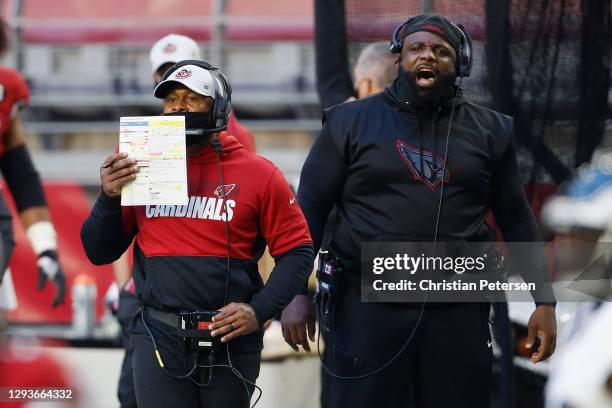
pixel 427 53
pixel 179 106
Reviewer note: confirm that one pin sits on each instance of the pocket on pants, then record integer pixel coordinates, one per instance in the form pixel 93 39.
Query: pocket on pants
pixel 144 363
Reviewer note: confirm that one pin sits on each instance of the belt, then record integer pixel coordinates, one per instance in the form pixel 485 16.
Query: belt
pixel 170 319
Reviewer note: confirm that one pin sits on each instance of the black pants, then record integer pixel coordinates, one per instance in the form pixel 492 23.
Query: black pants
pixel 128 307
pixel 156 389
pixel 447 363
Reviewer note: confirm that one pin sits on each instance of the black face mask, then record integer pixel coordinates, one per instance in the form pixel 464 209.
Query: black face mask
pixel 194 123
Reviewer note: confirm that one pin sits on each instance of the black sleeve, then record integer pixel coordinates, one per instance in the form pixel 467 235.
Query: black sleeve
pixel 290 271
pixel 321 183
pixel 22 178
pixel 102 234
pixel 334 83
pixel 518 224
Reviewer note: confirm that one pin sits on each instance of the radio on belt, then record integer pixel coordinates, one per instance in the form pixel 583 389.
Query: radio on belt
pixel 329 274
pixel 194 332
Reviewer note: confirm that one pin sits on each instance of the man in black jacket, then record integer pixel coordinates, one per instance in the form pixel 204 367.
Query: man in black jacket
pixel 415 163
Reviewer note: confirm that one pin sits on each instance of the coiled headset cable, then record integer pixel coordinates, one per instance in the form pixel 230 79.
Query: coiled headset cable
pixel 216 143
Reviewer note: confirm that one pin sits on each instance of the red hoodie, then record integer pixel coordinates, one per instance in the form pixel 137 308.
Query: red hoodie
pixel 180 252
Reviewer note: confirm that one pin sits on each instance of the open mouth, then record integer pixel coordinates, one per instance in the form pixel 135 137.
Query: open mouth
pixel 425 77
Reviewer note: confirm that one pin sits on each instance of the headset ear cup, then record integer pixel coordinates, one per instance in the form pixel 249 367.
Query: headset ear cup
pixel 225 102
pixel 219 112
pixel 396 43
pixel 464 58
pixel 223 113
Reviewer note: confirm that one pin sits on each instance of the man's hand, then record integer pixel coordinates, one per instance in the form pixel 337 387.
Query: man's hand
pixel 117 171
pixel 233 320
pixel 297 319
pixel 50 269
pixel 543 324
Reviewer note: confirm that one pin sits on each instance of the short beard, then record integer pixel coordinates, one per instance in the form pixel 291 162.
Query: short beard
pixel 436 95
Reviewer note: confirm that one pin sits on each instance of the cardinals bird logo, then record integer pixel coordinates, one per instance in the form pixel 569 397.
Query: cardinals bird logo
pixel 228 188
pixel 433 168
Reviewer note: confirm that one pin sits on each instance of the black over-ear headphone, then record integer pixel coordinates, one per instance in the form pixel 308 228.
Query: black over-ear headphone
pixel 464 59
pixel 223 97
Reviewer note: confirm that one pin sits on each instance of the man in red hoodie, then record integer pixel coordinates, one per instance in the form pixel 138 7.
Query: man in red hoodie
pixel 166 52
pixel 201 257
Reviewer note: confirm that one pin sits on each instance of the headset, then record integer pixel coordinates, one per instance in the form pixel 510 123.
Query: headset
pixel 464 59
pixel 222 105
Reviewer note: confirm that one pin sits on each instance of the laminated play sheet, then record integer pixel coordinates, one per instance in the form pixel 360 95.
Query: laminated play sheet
pixel 158 145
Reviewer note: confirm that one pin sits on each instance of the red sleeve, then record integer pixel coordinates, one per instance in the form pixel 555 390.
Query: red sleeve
pixel 22 91
pixel 241 133
pixel 14 95
pixel 281 220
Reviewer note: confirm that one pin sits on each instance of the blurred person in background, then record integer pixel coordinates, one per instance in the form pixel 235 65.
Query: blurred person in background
pixel 365 154
pixel 375 69
pixel 181 263
pixel 23 363
pixel 25 186
pixel 581 373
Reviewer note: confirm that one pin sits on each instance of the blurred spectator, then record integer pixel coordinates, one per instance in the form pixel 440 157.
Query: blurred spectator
pixel 374 70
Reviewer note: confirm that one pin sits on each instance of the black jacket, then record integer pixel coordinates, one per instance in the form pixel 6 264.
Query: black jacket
pixel 381 160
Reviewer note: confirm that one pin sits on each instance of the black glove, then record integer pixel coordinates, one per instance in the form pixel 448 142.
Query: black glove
pixel 48 265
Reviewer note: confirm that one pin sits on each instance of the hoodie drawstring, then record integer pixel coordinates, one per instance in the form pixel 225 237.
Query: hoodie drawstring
pixel 421 160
